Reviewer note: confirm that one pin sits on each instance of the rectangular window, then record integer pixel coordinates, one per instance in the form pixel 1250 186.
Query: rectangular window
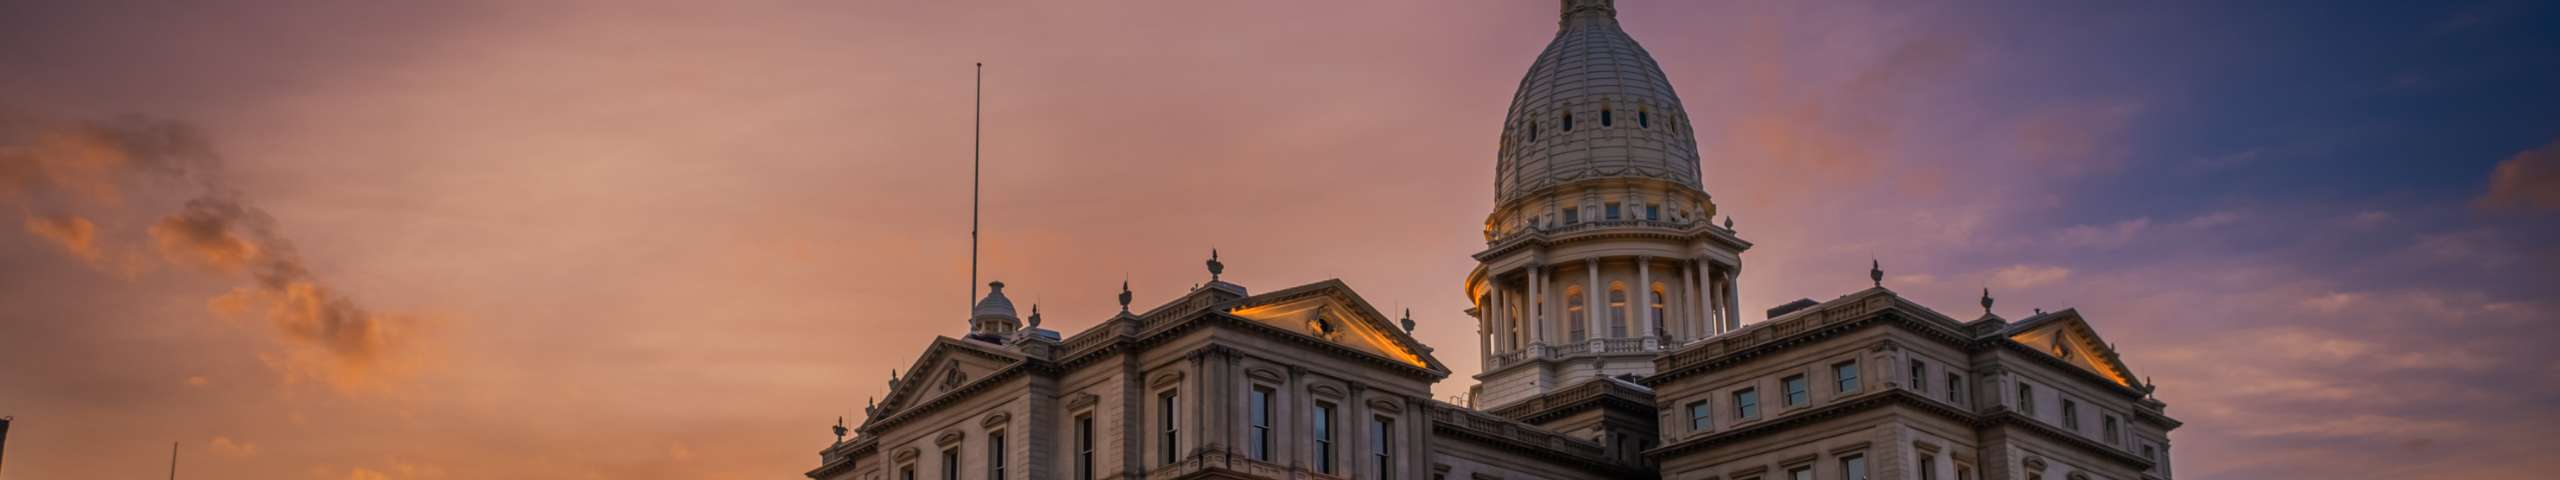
pixel 1746 403
pixel 1846 375
pixel 2027 398
pixel 1084 447
pixel 1955 389
pixel 1382 444
pixel 1612 211
pixel 1701 416
pixel 2149 453
pixel 1920 376
pixel 907 472
pixel 1964 473
pixel 995 456
pixel 2108 426
pixel 1260 439
pixel 2070 415
pixel 1169 405
pixel 1800 473
pixel 1573 215
pixel 1853 467
pixel 1799 390
pixel 1324 437
pixel 951 464
pixel 1928 468
pixel 1653 211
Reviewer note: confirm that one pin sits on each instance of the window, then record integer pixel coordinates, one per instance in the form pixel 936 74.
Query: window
pixel 2027 398
pixel 1955 388
pixel 1928 468
pixel 1798 390
pixel 1800 473
pixel 1260 446
pixel 1746 403
pixel 907 472
pixel 1700 416
pixel 1568 121
pixel 1853 467
pixel 2108 425
pixel 1573 215
pixel 1166 405
pixel 951 464
pixel 1324 437
pixel 995 456
pixel 1084 447
pixel 1643 120
pixel 1658 307
pixel 1846 376
pixel 1652 212
pixel 1382 444
pixel 1964 473
pixel 1920 376
pixel 1575 319
pixel 1610 211
pixel 2070 415
pixel 2148 453
pixel 1617 311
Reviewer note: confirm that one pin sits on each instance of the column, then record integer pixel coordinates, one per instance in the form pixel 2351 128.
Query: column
pixel 1688 301
pixel 1501 321
pixel 1300 434
pixel 1644 298
pixel 1732 297
pixel 1591 299
pixel 1537 304
pixel 1704 315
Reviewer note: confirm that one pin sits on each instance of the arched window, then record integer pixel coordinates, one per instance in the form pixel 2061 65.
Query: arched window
pixel 1604 116
pixel 1568 121
pixel 1533 131
pixel 1657 306
pixel 1516 337
pixel 1643 120
pixel 1574 313
pixel 1617 311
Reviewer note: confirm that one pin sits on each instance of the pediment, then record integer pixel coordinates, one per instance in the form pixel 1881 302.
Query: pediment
pixel 2068 337
pixel 945 366
pixel 1330 312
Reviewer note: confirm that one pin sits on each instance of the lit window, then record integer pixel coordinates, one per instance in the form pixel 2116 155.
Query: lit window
pixel 1700 416
pixel 1746 403
pixel 1576 321
pixel 1853 467
pixel 1846 374
pixel 1617 311
pixel 1260 403
pixel 1324 437
pixel 1658 307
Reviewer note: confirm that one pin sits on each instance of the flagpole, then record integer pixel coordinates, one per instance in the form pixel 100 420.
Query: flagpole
pixel 977 113
pixel 173 460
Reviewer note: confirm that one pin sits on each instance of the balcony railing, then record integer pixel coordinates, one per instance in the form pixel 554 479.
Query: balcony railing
pixel 1596 346
pixel 1586 225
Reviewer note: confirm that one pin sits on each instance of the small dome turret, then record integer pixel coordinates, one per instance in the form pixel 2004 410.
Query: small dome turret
pixel 993 317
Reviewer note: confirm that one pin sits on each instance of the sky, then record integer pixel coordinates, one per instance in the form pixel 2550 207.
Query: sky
pixel 498 240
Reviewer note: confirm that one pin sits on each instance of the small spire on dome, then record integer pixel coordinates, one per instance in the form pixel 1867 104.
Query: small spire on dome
pixel 1215 267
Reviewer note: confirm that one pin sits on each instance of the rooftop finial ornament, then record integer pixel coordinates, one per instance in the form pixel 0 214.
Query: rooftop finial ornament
pixel 1408 320
pixel 893 378
pixel 840 430
pixel 1035 315
pixel 1875 271
pixel 1124 296
pixel 1728 223
pixel 1215 267
pixel 1986 300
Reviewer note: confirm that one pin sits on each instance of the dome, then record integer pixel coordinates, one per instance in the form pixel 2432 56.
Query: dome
pixel 1593 106
pixel 995 305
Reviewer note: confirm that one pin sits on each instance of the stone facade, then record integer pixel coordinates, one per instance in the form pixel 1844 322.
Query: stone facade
pixel 1611 346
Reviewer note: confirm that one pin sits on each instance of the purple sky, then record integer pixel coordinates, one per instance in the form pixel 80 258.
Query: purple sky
pixel 677 239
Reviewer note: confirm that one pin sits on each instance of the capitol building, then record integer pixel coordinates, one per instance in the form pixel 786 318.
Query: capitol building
pixel 1610 344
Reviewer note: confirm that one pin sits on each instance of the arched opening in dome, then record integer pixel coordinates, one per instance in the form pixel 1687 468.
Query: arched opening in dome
pixel 1643 120
pixel 1617 310
pixel 1533 131
pixel 1604 117
pixel 1657 308
pixel 1568 121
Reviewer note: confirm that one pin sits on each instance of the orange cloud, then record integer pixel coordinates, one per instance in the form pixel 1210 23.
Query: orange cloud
pixel 2527 181
pixel 76 236
pixel 227 447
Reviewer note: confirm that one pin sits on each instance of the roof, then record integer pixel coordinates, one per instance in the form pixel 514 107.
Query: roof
pixel 1591 67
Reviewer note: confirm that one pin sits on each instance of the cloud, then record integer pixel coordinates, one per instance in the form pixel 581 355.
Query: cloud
pixel 2210 220
pixel 227 447
pixel 2016 277
pixel 2078 138
pixel 2104 236
pixel 320 332
pixel 2527 181
pixel 198 381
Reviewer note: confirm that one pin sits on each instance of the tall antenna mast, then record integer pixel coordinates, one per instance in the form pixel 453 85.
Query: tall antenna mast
pixel 173 460
pixel 977 114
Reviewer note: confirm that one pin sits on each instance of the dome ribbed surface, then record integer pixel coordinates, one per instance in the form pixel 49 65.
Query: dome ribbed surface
pixel 1592 66
pixel 995 305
